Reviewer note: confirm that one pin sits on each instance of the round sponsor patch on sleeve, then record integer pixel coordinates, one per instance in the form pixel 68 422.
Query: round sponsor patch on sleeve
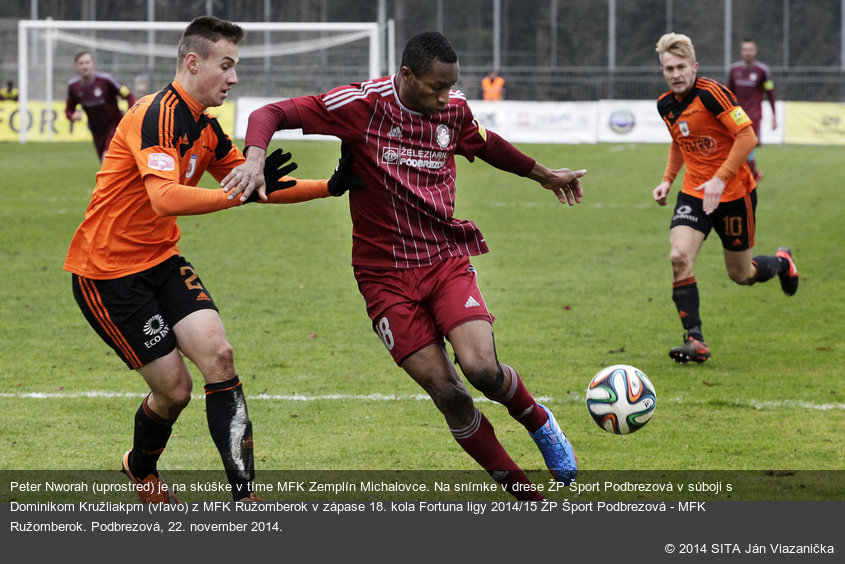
pixel 161 161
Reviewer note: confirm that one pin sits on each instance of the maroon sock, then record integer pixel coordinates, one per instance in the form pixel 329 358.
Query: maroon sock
pixel 479 440
pixel 521 405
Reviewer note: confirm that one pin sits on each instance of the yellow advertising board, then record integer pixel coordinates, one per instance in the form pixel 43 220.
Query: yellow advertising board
pixel 50 124
pixel 815 123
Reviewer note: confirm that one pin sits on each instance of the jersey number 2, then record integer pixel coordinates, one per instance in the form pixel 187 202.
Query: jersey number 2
pixel 192 281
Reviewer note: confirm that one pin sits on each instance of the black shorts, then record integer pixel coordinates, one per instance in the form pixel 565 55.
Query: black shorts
pixel 135 314
pixel 733 221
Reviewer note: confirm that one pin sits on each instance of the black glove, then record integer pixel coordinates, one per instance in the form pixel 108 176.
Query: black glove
pixel 274 169
pixel 343 179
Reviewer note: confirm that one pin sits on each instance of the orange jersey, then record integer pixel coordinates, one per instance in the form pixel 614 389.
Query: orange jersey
pixel 703 127
pixel 160 151
pixel 492 88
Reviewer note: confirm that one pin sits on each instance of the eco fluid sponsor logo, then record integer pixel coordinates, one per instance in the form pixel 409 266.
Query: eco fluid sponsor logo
pixel 157 328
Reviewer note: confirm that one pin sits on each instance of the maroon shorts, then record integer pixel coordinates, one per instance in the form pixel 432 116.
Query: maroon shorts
pixel 417 307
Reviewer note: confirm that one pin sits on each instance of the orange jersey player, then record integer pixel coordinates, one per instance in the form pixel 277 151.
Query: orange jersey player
pixel 159 153
pixel 130 281
pixel 712 136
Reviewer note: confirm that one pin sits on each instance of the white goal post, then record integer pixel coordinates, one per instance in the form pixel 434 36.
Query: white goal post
pixel 275 43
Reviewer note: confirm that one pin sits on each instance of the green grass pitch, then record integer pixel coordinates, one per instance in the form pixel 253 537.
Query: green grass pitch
pixel 572 289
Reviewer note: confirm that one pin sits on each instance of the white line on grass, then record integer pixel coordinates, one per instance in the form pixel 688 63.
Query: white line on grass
pixel 544 204
pixel 570 398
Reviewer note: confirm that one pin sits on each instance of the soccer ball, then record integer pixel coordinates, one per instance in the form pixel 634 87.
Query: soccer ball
pixel 621 399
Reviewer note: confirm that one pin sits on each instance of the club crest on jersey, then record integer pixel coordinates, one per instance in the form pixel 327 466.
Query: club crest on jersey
pixel 192 166
pixel 442 135
pixel 684 127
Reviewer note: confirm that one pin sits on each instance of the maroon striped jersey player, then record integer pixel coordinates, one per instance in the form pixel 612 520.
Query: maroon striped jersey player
pixel 411 255
pixel 749 80
pixel 403 219
pixel 98 94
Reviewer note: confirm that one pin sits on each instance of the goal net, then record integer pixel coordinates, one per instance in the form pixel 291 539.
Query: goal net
pixel 277 60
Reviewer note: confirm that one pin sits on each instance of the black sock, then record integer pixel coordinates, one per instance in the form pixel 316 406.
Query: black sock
pixel 685 296
pixel 231 430
pixel 767 267
pixel 151 434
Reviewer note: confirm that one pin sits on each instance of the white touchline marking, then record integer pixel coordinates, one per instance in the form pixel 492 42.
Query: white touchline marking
pixel 569 398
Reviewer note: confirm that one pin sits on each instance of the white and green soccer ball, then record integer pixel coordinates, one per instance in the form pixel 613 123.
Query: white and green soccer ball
pixel 621 399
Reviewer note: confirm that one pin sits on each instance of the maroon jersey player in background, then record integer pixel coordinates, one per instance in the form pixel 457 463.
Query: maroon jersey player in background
pixel 97 93
pixel 749 79
pixel 410 255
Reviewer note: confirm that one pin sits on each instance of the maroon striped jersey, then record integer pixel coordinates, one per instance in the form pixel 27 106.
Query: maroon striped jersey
pixel 98 99
pixel 749 83
pixel 403 217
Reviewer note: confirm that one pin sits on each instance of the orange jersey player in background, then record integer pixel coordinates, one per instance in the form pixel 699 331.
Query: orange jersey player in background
pixel 712 136
pixel 130 281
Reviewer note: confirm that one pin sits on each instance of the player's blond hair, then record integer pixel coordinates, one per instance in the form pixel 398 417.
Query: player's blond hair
pixel 677 44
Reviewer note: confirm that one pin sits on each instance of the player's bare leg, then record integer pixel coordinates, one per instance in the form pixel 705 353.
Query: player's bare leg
pixel 741 269
pixel 476 352
pixel 745 270
pixel 202 338
pixel 685 245
pixel 170 391
pixel 431 368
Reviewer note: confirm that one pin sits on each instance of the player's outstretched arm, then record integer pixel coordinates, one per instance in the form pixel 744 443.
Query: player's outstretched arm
pixel 563 182
pixel 247 177
pixel 673 165
pixel 279 188
pixel 277 167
